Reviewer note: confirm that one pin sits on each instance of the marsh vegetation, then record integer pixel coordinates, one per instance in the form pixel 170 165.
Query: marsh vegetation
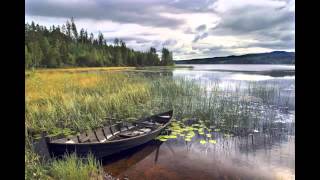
pixel 67 102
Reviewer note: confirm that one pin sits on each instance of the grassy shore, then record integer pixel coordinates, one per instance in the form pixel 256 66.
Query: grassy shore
pixel 68 101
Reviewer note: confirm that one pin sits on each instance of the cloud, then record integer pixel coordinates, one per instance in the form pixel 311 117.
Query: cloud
pixel 250 19
pixel 122 11
pixel 201 27
pixel 269 24
pixel 190 28
pixel 170 42
pixel 199 37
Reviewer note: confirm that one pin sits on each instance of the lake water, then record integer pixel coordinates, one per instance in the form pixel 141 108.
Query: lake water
pixel 268 152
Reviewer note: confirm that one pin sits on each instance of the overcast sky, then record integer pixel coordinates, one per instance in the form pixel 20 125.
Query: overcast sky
pixel 190 28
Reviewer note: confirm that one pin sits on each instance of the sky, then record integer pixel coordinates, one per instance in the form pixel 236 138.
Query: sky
pixel 189 28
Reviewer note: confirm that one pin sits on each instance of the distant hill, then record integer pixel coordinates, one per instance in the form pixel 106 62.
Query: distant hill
pixel 275 57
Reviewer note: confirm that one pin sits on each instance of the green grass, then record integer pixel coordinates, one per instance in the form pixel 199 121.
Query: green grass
pixel 66 102
pixel 69 168
pixel 72 167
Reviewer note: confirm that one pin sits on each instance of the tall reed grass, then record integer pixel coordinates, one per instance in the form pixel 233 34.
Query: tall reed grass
pixel 69 101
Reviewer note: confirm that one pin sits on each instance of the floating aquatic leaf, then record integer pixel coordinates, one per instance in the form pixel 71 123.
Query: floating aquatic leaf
pixel 212 141
pixel 190 134
pixel 163 137
pixel 203 142
pixel 217 130
pixel 187 139
pixel 173 133
pixel 190 128
pixel 209 135
pixel 195 129
pixel 172 137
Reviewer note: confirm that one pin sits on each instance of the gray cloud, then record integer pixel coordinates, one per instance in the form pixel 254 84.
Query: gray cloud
pixel 201 27
pixel 189 31
pixel 272 27
pixel 123 11
pixel 263 25
pixel 193 5
pixel 199 37
pixel 250 19
pixel 170 42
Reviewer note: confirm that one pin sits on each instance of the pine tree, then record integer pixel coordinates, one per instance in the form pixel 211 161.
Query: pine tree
pixel 100 39
pixel 28 60
pixel 36 54
pixel 116 42
pixel 166 57
pixel 118 57
pixel 74 29
pixel 82 36
pixel 68 25
pixel 44 45
pixel 91 38
pixel 60 47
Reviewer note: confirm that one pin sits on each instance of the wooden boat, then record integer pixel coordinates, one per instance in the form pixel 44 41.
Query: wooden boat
pixel 112 139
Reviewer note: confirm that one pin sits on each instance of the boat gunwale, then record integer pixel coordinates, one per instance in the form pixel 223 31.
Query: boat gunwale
pixel 114 141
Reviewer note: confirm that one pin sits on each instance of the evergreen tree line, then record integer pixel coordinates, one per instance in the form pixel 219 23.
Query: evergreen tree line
pixel 66 47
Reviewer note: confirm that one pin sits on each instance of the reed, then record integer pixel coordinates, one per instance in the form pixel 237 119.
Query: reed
pixel 68 101
pixel 73 167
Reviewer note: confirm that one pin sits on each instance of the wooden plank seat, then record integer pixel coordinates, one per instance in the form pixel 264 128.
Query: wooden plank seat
pixel 120 130
pixel 129 134
pixel 164 116
pixel 148 124
pixel 134 132
pixel 84 139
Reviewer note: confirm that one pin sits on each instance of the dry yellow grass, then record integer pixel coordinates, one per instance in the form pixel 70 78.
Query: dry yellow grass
pixel 85 69
pixel 60 99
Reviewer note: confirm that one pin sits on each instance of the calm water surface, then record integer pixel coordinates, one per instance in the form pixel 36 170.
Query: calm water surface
pixel 262 154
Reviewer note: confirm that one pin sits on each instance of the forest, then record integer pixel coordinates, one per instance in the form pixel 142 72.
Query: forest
pixel 65 46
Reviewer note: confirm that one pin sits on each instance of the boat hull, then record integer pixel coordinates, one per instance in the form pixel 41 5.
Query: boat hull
pixel 100 150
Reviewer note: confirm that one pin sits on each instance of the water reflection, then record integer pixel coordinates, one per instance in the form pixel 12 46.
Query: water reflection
pixel 240 67
pixel 119 163
pixel 260 146
pixel 258 156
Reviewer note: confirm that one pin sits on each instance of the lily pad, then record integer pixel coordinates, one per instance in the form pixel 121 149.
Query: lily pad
pixel 172 137
pixel 203 142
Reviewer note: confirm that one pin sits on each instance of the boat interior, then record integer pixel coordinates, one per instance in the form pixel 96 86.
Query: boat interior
pixel 118 131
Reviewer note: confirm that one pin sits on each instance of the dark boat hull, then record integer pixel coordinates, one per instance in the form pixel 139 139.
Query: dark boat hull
pixel 100 150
